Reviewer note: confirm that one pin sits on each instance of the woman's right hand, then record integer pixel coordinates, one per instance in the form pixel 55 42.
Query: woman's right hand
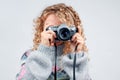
pixel 48 37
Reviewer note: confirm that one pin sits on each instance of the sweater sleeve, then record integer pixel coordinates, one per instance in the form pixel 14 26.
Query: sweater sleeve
pixel 81 67
pixel 38 65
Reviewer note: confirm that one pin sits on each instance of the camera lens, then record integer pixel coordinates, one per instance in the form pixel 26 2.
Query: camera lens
pixel 64 34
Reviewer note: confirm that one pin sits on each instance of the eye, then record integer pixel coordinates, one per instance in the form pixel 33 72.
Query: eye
pixel 46 26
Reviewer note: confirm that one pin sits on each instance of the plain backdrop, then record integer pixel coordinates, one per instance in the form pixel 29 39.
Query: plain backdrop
pixel 101 22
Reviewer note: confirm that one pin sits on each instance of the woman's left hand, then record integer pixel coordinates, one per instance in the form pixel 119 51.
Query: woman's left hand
pixel 77 41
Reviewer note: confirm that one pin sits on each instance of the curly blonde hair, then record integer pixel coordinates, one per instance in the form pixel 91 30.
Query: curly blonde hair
pixel 66 14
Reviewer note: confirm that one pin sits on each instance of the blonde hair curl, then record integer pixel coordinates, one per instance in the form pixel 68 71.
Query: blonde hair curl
pixel 66 14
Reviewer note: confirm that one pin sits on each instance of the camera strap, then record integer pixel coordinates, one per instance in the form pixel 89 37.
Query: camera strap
pixel 55 75
pixel 74 64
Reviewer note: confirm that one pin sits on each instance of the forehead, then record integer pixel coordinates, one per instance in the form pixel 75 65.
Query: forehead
pixel 52 19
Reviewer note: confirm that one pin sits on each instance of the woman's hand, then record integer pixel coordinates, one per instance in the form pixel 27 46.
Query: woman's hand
pixel 77 41
pixel 47 37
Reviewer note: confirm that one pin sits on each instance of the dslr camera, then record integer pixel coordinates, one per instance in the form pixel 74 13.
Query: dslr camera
pixel 63 32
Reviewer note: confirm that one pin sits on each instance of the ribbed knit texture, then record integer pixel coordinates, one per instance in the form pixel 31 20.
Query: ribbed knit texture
pixel 40 62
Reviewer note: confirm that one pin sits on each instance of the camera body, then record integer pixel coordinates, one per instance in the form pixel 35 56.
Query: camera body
pixel 63 32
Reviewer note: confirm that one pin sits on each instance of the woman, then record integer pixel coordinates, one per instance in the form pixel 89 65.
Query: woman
pixel 53 60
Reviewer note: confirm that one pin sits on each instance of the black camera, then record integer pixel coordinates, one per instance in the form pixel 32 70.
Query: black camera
pixel 63 32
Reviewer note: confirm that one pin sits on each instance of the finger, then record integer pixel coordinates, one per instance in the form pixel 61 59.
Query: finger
pixel 52 33
pixel 74 36
pixel 79 45
pixel 51 38
pixel 79 29
pixel 75 41
pixel 79 48
pixel 79 40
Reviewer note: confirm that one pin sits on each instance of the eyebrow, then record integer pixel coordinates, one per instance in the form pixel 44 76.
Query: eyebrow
pixel 49 24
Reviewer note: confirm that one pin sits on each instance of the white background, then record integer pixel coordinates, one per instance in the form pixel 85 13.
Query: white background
pixel 101 21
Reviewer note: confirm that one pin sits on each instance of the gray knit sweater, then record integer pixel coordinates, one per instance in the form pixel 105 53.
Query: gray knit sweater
pixel 39 64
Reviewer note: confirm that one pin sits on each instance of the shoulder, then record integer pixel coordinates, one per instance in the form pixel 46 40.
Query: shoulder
pixel 25 56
